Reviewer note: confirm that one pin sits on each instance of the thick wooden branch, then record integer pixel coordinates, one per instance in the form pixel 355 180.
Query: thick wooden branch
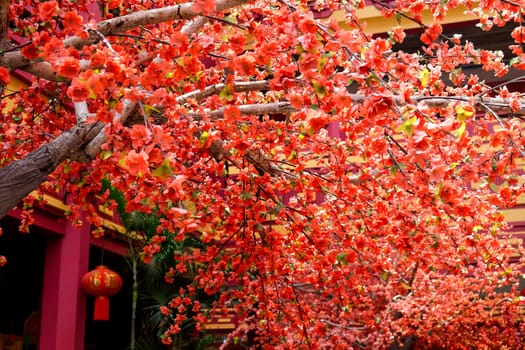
pixel 4 21
pixel 21 177
pixel 43 70
pixel 155 16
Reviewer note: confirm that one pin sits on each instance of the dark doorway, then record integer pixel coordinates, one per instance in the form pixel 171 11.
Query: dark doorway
pixel 20 285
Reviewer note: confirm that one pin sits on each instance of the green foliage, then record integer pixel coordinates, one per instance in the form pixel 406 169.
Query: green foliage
pixel 154 291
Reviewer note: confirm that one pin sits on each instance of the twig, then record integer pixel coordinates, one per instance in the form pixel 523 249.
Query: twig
pixel 500 122
pixel 301 314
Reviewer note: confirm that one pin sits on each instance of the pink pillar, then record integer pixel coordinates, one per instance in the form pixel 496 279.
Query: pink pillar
pixel 334 130
pixel 63 314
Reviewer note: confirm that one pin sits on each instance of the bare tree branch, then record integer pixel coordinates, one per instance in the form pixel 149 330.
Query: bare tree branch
pixel 499 105
pixel 284 107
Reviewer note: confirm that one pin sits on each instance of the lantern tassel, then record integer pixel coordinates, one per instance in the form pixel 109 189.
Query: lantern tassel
pixel 101 309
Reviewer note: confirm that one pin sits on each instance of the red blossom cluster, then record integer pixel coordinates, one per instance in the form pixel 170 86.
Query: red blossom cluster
pixel 347 191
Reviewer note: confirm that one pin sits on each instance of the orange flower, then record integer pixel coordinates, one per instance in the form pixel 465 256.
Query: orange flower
pixel 30 51
pixel 237 43
pixel 5 78
pixel 113 4
pixel 308 24
pixel 431 33
pixel 296 100
pixel 72 22
pixel 99 58
pixel 518 34
pixel 398 34
pixel 138 135
pixel 48 10
pixel 317 120
pixel 155 155
pixel 232 113
pixel 137 163
pixel 78 90
pixel 53 49
pixel 245 64
pixel 69 67
pixel 448 193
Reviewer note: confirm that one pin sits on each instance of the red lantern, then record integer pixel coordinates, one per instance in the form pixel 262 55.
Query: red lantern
pixel 101 283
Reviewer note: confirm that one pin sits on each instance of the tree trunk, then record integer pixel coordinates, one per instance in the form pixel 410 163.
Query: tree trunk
pixel 21 177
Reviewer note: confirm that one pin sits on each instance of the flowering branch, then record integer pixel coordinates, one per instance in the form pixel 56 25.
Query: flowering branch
pixel 15 59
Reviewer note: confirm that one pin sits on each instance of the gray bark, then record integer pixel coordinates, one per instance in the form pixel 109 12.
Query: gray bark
pixel 21 177
pixel 4 19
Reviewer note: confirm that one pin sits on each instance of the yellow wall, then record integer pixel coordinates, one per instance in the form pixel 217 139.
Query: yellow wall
pixel 375 22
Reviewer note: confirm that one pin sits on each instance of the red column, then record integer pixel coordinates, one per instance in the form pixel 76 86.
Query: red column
pixel 334 130
pixel 63 314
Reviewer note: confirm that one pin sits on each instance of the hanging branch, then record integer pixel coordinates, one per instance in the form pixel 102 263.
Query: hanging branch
pixel 88 144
